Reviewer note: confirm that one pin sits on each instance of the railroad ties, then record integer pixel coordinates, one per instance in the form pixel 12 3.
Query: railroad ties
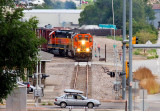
pixel 82 78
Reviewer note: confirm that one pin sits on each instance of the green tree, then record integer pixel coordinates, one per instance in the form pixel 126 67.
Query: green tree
pixel 18 46
pixel 101 12
pixel 69 5
pixel 144 36
pixel 58 5
pixel 44 6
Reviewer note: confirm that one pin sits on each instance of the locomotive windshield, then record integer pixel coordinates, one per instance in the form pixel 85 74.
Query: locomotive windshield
pixel 61 35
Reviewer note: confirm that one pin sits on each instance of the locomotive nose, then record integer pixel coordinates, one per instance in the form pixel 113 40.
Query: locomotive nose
pixel 83 42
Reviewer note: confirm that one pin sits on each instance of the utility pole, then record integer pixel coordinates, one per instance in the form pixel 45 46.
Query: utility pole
pixel 105 52
pixel 36 104
pixel 130 55
pixel 80 3
pixel 124 51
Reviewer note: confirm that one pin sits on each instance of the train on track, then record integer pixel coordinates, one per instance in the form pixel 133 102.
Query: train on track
pixel 66 42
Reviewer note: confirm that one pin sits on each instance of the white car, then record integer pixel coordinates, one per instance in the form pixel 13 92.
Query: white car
pixel 74 98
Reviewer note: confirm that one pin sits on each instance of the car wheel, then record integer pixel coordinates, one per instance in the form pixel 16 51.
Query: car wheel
pixel 63 105
pixel 90 105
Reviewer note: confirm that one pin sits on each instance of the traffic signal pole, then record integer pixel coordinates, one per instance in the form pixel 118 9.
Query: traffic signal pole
pixel 130 55
pixel 124 51
pixel 139 46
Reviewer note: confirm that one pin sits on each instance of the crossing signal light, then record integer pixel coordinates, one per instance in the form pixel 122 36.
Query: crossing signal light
pixel 127 46
pixel 134 40
pixel 112 74
pixel 127 69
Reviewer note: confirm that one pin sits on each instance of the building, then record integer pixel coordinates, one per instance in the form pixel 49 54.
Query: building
pixel 55 17
pixel 77 2
pixel 156 8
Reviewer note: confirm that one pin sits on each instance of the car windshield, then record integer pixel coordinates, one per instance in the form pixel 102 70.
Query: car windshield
pixel 84 97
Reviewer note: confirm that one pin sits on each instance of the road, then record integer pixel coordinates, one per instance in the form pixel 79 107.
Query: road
pixel 105 105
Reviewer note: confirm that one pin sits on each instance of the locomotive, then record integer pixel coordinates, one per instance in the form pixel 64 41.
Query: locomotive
pixel 67 43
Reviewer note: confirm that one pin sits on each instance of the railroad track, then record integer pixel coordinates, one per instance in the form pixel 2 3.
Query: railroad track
pixel 82 79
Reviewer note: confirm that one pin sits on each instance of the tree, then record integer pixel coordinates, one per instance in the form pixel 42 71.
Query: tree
pixel 18 46
pixel 58 5
pixel 144 36
pixel 101 12
pixel 69 5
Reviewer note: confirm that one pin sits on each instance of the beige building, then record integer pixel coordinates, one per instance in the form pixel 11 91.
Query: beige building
pixel 57 18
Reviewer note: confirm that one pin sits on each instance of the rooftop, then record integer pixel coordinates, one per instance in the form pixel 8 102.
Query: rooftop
pixel 52 11
pixel 156 6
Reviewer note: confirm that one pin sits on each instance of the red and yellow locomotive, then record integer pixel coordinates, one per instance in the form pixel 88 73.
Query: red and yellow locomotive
pixel 59 42
pixel 83 45
pixel 65 42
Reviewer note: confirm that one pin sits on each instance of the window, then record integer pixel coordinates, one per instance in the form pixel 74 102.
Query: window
pixel 86 36
pixel 53 36
pixel 76 39
pixel 78 97
pixel 90 39
pixel 79 35
pixel 69 96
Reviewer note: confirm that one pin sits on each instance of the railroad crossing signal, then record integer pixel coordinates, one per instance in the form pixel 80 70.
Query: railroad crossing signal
pixel 112 74
pixel 127 69
pixel 134 40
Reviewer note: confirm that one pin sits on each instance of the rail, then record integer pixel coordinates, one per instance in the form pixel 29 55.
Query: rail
pixel 75 80
pixel 78 75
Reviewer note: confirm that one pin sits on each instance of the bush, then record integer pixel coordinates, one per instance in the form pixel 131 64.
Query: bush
pixel 147 80
pixel 43 103
pixel 144 36
pixel 136 52
pixel 50 103
pixel 150 57
pixel 143 73
pixel 151 85
pixel 156 56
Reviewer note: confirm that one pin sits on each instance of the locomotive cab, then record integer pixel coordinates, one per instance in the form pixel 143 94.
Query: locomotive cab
pixel 59 42
pixel 83 45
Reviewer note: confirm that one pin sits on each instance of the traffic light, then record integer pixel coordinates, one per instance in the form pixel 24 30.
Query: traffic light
pixel 127 46
pixel 127 69
pixel 134 40
pixel 112 74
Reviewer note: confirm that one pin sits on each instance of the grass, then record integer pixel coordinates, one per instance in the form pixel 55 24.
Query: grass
pixel 43 103
pixel 118 38
pixel 50 103
pixel 149 53
pixel 137 52
pixel 147 80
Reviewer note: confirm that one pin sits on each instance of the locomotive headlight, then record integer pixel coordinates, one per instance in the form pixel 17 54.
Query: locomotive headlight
pixel 83 42
pixel 87 49
pixel 78 50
